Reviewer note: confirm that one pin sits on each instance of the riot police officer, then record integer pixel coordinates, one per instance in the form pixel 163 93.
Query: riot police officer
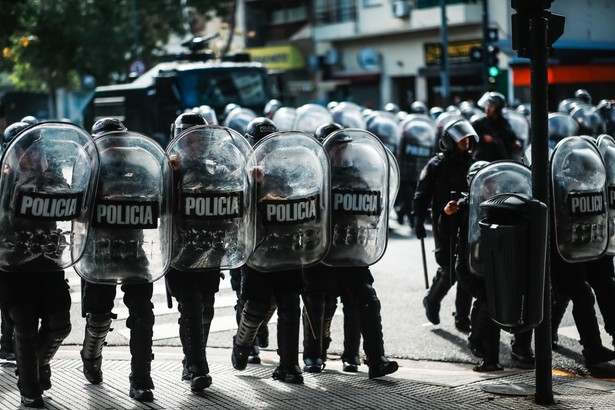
pixel 126 171
pixel 209 165
pixel 273 272
pixel 443 178
pixel 36 250
pixel 497 139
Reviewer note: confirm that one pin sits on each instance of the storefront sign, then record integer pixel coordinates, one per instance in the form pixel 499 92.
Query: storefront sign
pixel 278 57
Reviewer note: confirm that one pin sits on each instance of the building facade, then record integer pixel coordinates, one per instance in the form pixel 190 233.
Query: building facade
pixel 377 51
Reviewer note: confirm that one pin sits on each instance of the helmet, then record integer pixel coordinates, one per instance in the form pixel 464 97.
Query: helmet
pixel 492 97
pixel 12 130
pixel 325 129
pixel 434 112
pixel 474 168
pixel 583 95
pixel 456 131
pixel 186 120
pixel 258 128
pixel 391 107
pixel 271 107
pixel 105 125
pixel 30 119
pixel 418 107
pixel 228 108
pixel 208 113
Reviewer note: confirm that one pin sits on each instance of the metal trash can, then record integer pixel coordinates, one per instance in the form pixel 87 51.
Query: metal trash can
pixel 514 244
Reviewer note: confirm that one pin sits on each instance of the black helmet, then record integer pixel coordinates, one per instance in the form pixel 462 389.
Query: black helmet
pixel 583 95
pixel 456 131
pixel 258 128
pixel 105 125
pixel 418 107
pixel 186 120
pixel 474 168
pixel 492 97
pixel 12 130
pixel 325 129
pixel 30 119
pixel 271 107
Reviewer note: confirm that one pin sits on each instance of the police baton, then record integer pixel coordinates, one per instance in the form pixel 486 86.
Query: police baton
pixel 309 320
pixel 424 263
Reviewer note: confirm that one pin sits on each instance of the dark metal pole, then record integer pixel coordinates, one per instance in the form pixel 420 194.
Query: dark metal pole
pixel 534 29
pixel 540 182
pixel 445 75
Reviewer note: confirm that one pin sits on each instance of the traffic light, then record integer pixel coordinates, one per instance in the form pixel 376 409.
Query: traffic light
pixel 493 62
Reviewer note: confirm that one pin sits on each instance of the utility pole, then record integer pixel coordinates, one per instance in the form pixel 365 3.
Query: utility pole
pixel 485 60
pixel 534 30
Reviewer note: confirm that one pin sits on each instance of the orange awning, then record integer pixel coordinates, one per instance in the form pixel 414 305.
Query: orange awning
pixel 567 74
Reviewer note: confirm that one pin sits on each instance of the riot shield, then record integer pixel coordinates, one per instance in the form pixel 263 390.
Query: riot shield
pixel 292 220
pixel 349 115
pixel 561 126
pixel 589 119
pixel 578 178
pixel 239 118
pixel 606 146
pixel 310 117
pixel 129 240
pixel 499 177
pixel 213 210
pixel 359 197
pixel 387 130
pixel 284 118
pixel 49 172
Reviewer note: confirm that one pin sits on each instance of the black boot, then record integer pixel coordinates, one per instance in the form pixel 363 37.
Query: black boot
pixel 439 288
pixel 351 359
pixel 26 333
pixel 96 329
pixel 478 331
pixel 54 329
pixel 463 304
pixel 313 329
pixel 141 333
pixel 491 346
pixel 192 331
pixel 7 350
pixel 371 329
pixel 289 317
pixel 522 353
pixel 251 319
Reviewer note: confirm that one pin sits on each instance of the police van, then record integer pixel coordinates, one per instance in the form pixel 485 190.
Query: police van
pixel 150 104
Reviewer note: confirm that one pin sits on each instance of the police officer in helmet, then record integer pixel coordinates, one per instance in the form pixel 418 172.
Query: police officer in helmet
pixel 98 303
pixel 442 179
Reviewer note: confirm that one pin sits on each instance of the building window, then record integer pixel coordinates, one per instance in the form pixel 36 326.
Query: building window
pixel 424 4
pixel 334 11
pixel 372 3
pixel 289 15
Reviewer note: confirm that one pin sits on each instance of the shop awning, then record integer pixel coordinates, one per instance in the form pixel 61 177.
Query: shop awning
pixel 563 74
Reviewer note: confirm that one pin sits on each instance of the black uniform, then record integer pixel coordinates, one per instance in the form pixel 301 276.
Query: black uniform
pixel 443 174
pixel 504 141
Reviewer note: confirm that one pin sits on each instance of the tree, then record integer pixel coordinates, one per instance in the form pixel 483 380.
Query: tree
pixel 51 44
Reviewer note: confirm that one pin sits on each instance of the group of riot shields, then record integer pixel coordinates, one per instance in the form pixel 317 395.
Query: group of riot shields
pixel 508 228
pixel 121 209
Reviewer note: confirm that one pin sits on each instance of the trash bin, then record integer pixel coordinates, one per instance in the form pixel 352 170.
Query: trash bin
pixel 513 236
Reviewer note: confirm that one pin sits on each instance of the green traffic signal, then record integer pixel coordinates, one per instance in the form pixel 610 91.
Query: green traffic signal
pixel 494 71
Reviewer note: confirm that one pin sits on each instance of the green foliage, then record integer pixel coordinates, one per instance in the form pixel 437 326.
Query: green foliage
pixel 68 39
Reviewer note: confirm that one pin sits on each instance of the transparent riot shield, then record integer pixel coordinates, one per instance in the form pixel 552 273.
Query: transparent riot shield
pixel 499 177
pixel 417 147
pixel 284 118
pixel 239 118
pixel 606 146
pixel 561 126
pixel 578 178
pixel 130 236
pixel 359 197
pixel 520 126
pixel 49 173
pixel 213 211
pixel 387 130
pixel 292 220
pixel 310 117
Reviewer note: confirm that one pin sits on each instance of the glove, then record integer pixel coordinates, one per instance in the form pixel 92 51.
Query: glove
pixel 419 230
